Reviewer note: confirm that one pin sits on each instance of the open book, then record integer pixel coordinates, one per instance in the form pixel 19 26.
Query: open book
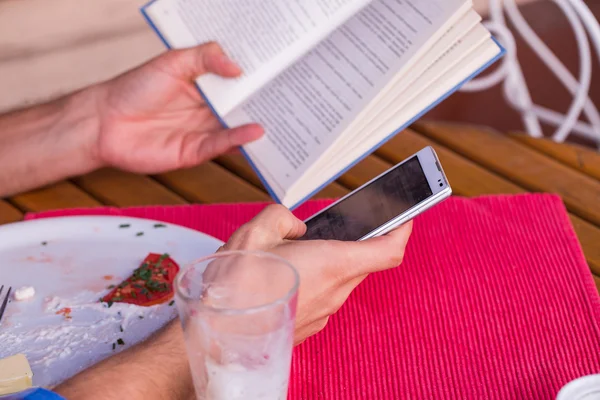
pixel 330 80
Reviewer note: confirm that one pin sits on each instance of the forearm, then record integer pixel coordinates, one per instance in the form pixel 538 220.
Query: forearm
pixel 154 370
pixel 47 143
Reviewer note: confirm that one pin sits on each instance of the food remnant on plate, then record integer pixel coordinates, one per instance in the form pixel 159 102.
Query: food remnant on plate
pixel 119 342
pixel 15 374
pixel 108 277
pixel 42 259
pixel 24 293
pixel 150 284
pixel 66 312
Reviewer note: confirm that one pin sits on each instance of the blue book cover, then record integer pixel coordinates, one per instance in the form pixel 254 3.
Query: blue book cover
pixel 268 187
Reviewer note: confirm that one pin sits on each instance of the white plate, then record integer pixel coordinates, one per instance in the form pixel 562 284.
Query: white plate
pixel 70 262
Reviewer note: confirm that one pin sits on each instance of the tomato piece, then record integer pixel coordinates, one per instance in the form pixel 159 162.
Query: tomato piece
pixel 151 283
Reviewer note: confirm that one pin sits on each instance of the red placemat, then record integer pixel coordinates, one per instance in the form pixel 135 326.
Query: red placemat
pixel 494 301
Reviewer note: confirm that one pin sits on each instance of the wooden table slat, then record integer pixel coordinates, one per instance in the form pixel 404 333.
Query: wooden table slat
pixel 578 157
pixel 520 164
pixel 57 196
pixel 237 164
pixel 124 189
pixel 597 282
pixel 9 213
pixel 589 237
pixel 211 183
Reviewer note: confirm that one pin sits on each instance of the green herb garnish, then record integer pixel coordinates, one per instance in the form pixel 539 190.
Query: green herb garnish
pixel 171 303
pixel 140 316
pixel 155 286
pixel 111 287
pixel 109 303
pixel 139 234
pixel 143 274
pixel 121 328
pixel 120 342
pixel 124 226
pixel 117 298
pixel 133 295
pixel 114 346
pixel 160 226
pixel 44 243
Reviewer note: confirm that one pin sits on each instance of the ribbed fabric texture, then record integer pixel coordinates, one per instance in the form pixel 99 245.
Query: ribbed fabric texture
pixel 493 301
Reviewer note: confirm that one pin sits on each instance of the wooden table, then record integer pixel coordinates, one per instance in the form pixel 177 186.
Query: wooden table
pixel 478 161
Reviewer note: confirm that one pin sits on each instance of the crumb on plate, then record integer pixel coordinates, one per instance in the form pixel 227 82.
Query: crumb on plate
pixel 24 293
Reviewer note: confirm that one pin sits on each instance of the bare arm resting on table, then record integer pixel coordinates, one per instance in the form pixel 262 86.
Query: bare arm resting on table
pixel 149 120
pixel 155 370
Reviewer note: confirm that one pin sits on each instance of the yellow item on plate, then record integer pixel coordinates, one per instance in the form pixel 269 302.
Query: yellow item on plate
pixel 15 374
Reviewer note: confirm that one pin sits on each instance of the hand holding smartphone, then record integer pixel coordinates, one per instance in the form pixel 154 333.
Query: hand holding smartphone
pixel 386 202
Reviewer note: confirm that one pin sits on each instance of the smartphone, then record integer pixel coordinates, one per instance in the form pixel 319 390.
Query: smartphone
pixel 386 202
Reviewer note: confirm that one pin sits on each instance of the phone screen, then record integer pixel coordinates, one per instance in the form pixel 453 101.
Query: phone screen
pixel 374 205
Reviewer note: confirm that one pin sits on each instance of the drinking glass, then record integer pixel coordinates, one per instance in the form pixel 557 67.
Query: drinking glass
pixel 238 311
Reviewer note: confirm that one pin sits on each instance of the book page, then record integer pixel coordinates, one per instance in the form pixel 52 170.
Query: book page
pixel 263 36
pixel 361 132
pixel 306 108
pixel 424 93
pixel 450 38
pixel 456 44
